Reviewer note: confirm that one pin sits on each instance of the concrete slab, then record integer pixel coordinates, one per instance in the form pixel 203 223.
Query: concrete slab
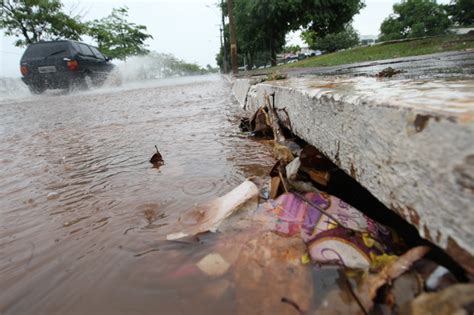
pixel 409 142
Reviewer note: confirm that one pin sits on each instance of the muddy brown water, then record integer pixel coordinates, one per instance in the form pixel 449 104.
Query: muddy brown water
pixel 83 214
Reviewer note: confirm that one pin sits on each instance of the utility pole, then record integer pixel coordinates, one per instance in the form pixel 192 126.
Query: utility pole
pixel 233 39
pixel 224 62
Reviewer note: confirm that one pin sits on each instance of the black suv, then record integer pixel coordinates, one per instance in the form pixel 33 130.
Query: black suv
pixel 63 64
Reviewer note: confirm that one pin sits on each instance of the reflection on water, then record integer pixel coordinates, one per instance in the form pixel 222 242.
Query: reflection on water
pixel 83 214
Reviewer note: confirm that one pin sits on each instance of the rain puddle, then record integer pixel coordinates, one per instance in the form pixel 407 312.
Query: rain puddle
pixel 84 215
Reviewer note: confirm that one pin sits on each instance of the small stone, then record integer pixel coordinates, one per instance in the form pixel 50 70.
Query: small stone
pixel 52 195
pixel 213 265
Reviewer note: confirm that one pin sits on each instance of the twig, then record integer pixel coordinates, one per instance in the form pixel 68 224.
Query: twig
pixel 281 170
pixel 312 204
pixel 351 290
pixel 293 303
pixel 277 132
pixel 147 252
pixel 129 229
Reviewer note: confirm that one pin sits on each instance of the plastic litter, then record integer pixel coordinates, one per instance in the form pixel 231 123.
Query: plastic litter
pixel 342 236
pixel 208 217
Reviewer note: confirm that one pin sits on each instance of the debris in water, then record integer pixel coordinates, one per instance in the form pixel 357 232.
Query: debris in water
pixel 388 73
pixel 292 169
pixel 452 300
pixel 213 265
pixel 52 195
pixel 282 153
pixel 273 118
pixel 208 217
pixel 439 278
pixel 245 125
pixel 259 123
pixel 157 159
pixel 334 231
pixel 403 290
pixel 275 184
pixel 147 252
pixel 292 303
pixel 367 291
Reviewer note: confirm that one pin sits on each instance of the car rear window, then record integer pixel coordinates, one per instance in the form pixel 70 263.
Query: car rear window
pixel 60 49
pixel 97 53
pixel 85 50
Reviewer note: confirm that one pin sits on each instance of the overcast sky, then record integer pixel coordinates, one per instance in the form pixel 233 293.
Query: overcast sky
pixel 189 29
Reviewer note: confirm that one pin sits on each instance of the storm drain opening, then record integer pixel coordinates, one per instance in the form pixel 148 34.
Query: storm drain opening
pixel 342 224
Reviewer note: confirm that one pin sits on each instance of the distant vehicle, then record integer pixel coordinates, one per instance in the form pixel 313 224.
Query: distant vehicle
pixel 63 64
pixel 302 56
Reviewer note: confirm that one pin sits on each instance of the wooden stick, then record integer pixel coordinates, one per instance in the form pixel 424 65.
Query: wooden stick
pixel 312 204
pixel 277 132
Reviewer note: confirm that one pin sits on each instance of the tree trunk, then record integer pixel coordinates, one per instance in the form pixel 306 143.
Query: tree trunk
pixel 233 38
pixel 250 61
pixel 273 56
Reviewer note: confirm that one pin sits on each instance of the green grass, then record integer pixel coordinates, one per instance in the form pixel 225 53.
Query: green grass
pixel 388 51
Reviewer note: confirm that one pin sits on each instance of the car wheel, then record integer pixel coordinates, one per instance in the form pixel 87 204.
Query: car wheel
pixel 98 80
pixel 77 84
pixel 36 88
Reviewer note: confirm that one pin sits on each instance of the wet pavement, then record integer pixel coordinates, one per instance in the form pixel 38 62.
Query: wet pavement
pixel 459 64
pixel 83 214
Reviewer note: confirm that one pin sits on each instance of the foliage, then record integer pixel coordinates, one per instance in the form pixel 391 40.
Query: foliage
pixel 118 38
pixel 291 49
pixel 415 18
pixel 390 50
pixel 258 28
pixel 34 20
pixel 329 17
pixel 275 76
pixel 332 42
pixel 461 12
pixel 263 24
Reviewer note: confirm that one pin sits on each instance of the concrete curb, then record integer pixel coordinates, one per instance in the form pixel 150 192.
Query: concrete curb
pixel 410 143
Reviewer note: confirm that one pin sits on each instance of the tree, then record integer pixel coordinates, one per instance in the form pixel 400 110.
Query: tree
pixel 118 38
pixel 34 20
pixel 329 17
pixel 332 42
pixel 415 18
pixel 258 29
pixel 263 24
pixel 461 12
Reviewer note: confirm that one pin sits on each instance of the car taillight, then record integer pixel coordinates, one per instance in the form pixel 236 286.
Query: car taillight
pixel 24 70
pixel 72 65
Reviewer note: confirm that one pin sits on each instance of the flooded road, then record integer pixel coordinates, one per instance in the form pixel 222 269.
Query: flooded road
pixel 83 215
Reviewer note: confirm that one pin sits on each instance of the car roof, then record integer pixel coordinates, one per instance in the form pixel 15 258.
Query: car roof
pixel 61 41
